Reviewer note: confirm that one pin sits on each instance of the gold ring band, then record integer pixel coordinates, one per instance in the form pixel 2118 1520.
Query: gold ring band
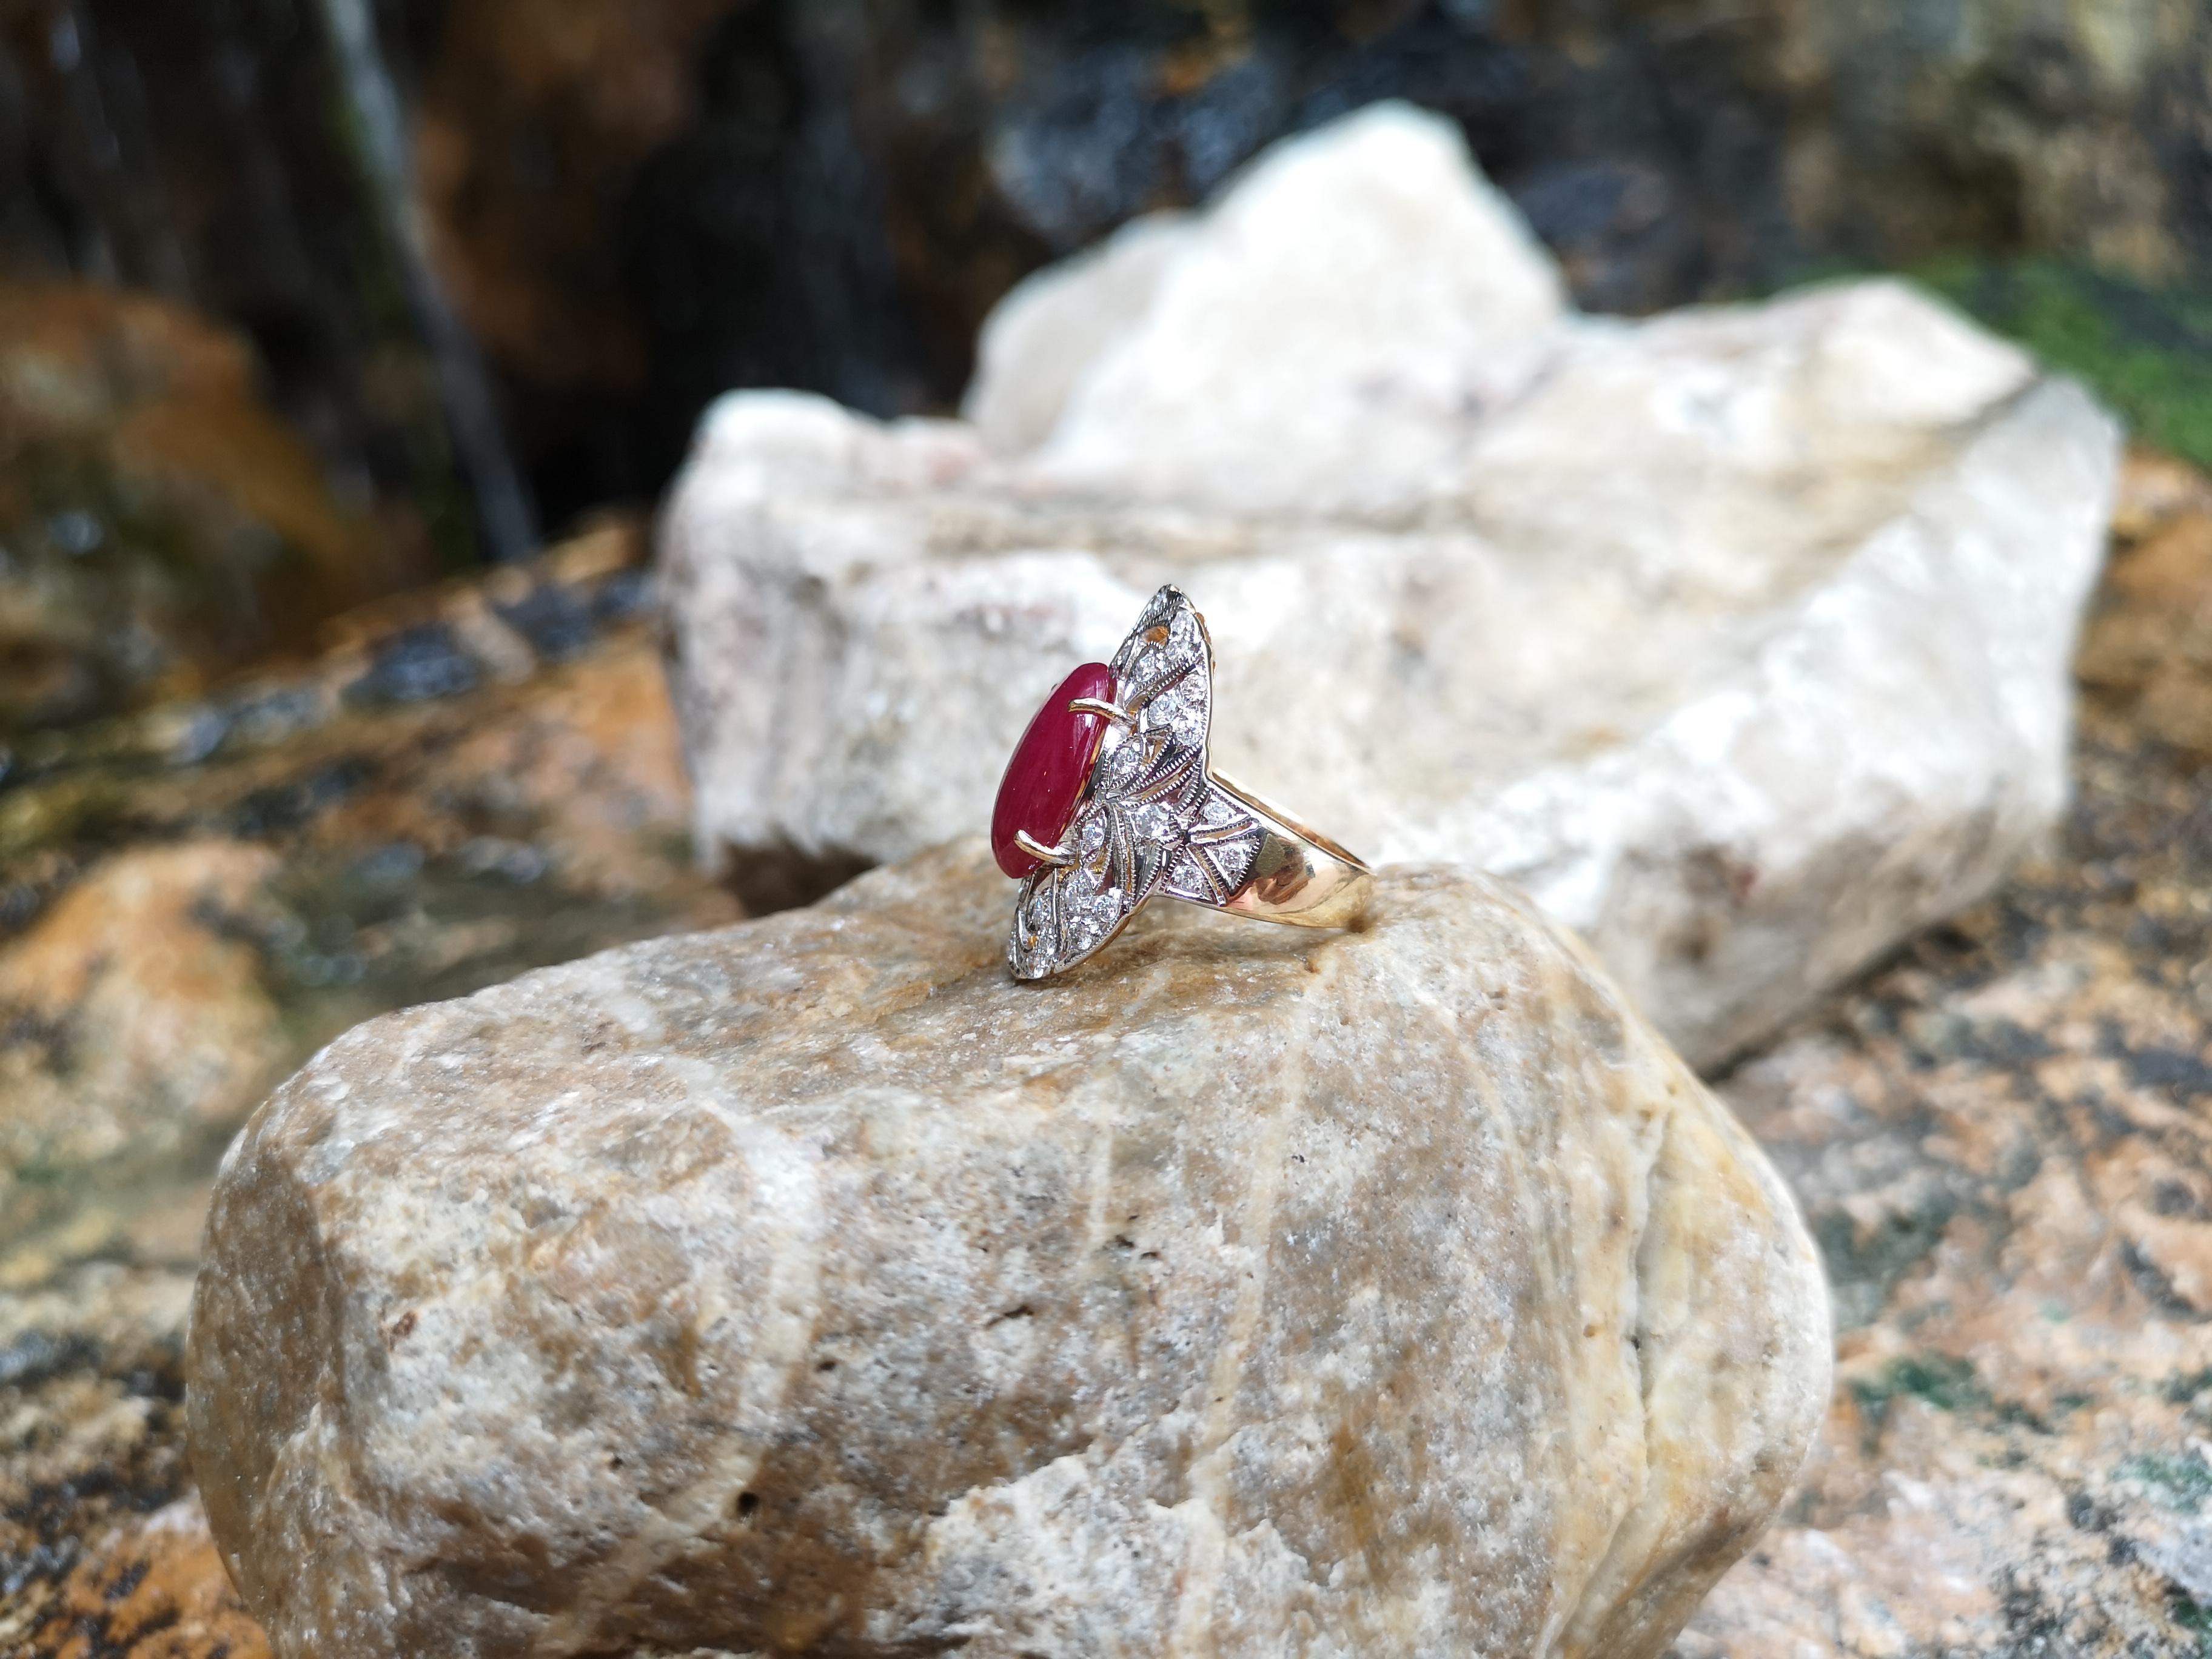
pixel 1299 876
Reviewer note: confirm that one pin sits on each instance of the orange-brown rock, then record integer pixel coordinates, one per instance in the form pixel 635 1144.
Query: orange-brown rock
pixel 2148 644
pixel 467 783
pixel 135 1031
pixel 158 524
pixel 155 1588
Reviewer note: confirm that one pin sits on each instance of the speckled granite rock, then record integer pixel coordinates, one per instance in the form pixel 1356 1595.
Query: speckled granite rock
pixel 2001 1144
pixel 1739 637
pixel 104 1551
pixel 813 1286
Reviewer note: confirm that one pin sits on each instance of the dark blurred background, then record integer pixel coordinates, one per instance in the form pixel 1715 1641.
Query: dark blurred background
pixel 308 299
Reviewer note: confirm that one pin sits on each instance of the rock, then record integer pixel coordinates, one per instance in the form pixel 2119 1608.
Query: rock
pixel 812 1287
pixel 208 158
pixel 2052 1483
pixel 194 899
pixel 2149 637
pixel 1040 340
pixel 107 1548
pixel 1313 346
pixel 605 184
pixel 2000 1143
pixel 156 1587
pixel 158 528
pixel 1663 164
pixel 1738 636
pixel 191 901
pixel 134 1025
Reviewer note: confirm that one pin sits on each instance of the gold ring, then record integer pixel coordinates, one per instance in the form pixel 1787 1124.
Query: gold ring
pixel 1109 799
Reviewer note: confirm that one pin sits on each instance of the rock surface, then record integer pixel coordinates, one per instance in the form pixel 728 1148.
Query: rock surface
pixel 1739 636
pixel 2001 1144
pixel 1315 346
pixel 472 783
pixel 811 1285
pixel 477 781
pixel 639 203
pixel 159 525
pixel 1037 342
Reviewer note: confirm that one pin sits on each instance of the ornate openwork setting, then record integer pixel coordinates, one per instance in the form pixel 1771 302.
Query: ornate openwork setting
pixel 1149 816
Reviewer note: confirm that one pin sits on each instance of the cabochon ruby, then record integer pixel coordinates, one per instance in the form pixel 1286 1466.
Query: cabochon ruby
pixel 1051 765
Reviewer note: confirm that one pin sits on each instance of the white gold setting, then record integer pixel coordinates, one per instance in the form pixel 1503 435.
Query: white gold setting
pixel 1154 819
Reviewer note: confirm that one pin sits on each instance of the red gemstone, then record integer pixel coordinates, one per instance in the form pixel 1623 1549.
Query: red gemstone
pixel 1045 779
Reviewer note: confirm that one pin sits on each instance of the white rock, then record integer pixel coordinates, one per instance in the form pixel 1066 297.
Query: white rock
pixel 813 1288
pixel 1740 637
pixel 1038 340
pixel 1323 342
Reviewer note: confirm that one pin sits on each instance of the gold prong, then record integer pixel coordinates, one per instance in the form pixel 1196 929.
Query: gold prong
pixel 1114 711
pixel 1036 849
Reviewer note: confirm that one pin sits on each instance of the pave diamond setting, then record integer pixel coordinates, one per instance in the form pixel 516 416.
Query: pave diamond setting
pixel 1152 820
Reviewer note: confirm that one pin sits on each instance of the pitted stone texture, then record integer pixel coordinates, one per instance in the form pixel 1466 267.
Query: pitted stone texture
pixel 811 1286
pixel 1738 636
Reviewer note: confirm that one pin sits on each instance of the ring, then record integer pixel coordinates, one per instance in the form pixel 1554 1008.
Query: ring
pixel 1109 799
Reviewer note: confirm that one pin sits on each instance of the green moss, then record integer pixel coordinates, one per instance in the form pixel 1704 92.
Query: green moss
pixel 2182 1481
pixel 1864 1266
pixel 2194 1617
pixel 2146 351
pixel 1941 1381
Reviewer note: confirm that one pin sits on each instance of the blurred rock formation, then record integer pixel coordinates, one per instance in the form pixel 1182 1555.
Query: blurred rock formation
pixel 202 153
pixel 464 784
pixel 1994 1138
pixel 159 525
pixel 1738 636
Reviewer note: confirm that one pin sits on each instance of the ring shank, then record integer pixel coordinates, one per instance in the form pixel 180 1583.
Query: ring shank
pixel 1299 876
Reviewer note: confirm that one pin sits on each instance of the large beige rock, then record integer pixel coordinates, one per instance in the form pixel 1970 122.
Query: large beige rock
pixel 811 1286
pixel 1739 636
